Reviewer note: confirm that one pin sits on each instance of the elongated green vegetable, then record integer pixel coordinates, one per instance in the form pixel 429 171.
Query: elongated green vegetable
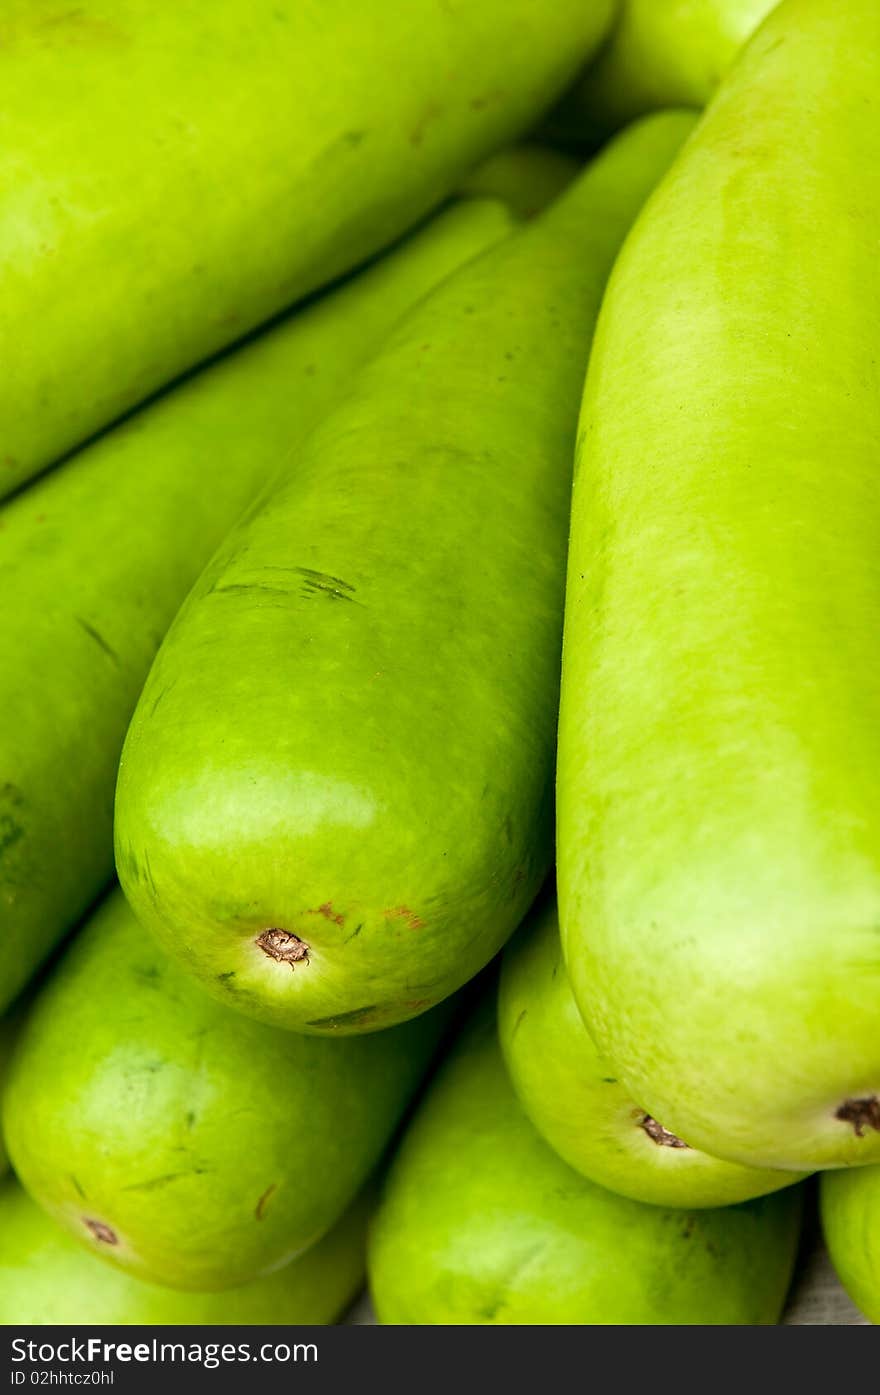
pixel 174 174
pixel 95 560
pixel 183 1142
pixel 719 756
pixel 660 53
pixel 480 1222
pixel 850 1208
pixel 578 1105
pixel 46 1278
pixel 527 177
pixel 334 801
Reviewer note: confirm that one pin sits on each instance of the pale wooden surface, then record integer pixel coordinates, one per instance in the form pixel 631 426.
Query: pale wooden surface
pixel 818 1298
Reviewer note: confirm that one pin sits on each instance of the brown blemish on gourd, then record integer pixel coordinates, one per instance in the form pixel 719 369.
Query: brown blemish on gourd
pixel 328 913
pixel 260 1209
pixel 404 913
pixel 283 946
pixel 102 1233
pixel 656 1132
pixel 861 1113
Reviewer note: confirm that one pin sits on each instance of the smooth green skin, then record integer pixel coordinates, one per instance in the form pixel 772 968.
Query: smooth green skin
pixel 481 1222
pixel 718 792
pixel 577 1105
pixel 46 1278
pixel 527 177
pixel 849 1204
pixel 214 1148
pixel 349 732
pixel 660 53
pixel 176 174
pixel 96 559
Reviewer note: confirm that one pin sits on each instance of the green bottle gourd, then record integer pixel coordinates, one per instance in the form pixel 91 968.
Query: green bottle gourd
pixel 46 1278
pixel 480 1222
pixel 849 1203
pixel 176 174
pixel 576 1103
pixel 183 1142
pixel 719 741
pixel 334 800
pixel 659 53
pixel 96 558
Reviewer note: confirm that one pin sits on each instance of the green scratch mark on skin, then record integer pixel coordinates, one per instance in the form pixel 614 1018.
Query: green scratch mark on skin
pixel 98 638
pixel 10 833
pixel 345 1019
pixel 155 1184
pixel 327 585
pixel 239 587
pixel 518 1023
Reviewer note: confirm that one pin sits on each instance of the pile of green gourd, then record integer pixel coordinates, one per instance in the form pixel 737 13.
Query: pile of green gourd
pixel 309 314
